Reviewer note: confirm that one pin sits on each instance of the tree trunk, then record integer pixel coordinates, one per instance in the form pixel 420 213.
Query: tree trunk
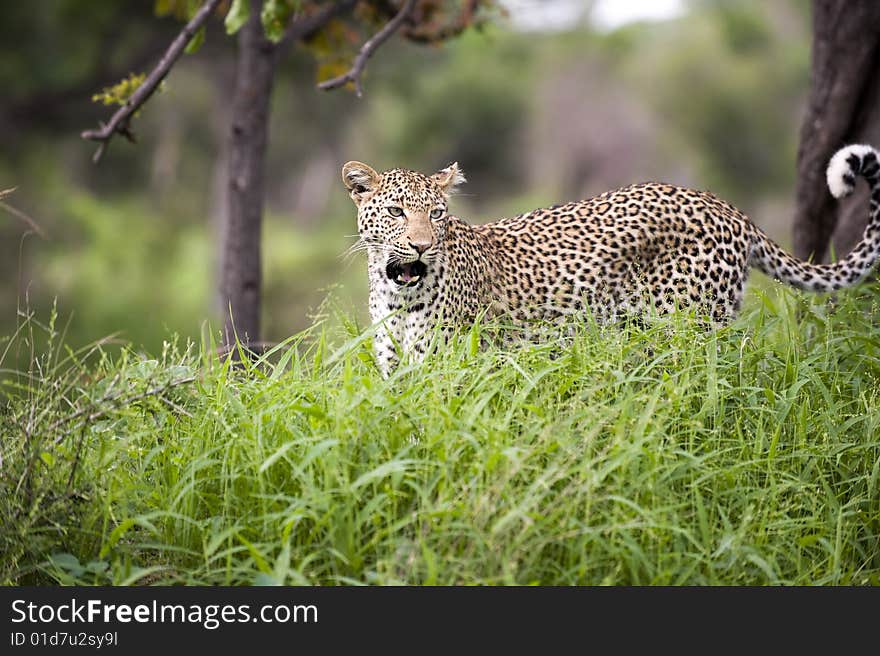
pixel 843 108
pixel 241 261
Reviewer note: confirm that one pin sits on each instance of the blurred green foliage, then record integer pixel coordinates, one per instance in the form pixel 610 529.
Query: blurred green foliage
pixel 741 97
pixel 104 269
pixel 711 100
pixel 468 111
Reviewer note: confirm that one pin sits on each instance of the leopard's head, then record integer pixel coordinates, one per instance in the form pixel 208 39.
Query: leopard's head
pixel 402 217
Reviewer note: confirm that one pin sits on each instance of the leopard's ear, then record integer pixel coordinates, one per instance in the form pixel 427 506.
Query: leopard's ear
pixel 449 178
pixel 360 180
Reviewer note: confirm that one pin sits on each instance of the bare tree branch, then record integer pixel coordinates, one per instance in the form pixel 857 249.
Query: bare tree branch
pixel 367 50
pixel 19 214
pixel 14 211
pixel 119 122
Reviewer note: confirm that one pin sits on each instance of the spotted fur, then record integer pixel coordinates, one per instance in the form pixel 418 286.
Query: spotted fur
pixel 619 254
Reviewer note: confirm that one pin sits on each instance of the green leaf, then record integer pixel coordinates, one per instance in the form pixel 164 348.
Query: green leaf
pixel 259 560
pixel 237 16
pixel 282 564
pixel 192 6
pixel 67 563
pixel 115 535
pixel 180 9
pixel 274 16
pixel 97 566
pixel 382 471
pixel 196 43
pixel 263 579
pixel 268 462
pixel 162 7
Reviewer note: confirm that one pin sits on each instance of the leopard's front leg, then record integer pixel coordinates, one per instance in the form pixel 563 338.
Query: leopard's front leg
pixel 384 313
pixel 385 351
pixel 422 326
pixel 405 324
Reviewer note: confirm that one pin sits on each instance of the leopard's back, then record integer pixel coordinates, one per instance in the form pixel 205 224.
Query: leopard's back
pixel 646 244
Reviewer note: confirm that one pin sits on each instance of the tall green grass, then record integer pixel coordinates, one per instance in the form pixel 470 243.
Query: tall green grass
pixel 654 454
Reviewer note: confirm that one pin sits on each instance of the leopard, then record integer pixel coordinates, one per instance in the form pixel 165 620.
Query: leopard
pixel 647 247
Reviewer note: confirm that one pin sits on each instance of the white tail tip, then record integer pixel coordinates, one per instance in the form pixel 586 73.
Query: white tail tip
pixel 841 175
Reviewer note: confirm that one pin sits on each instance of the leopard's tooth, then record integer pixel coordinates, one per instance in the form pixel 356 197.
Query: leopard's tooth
pixel 415 279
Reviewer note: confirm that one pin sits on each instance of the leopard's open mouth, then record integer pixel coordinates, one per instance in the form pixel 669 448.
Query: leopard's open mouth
pixel 406 275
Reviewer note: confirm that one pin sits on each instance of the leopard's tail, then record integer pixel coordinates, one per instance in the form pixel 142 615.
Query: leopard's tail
pixel 846 164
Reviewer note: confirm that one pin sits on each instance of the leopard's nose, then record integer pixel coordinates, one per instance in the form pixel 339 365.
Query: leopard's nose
pixel 420 246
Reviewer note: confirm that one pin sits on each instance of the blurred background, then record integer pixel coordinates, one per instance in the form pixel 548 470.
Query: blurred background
pixel 559 100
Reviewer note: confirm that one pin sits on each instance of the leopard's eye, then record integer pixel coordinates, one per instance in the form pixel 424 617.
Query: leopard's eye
pixel 437 213
pixel 395 211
